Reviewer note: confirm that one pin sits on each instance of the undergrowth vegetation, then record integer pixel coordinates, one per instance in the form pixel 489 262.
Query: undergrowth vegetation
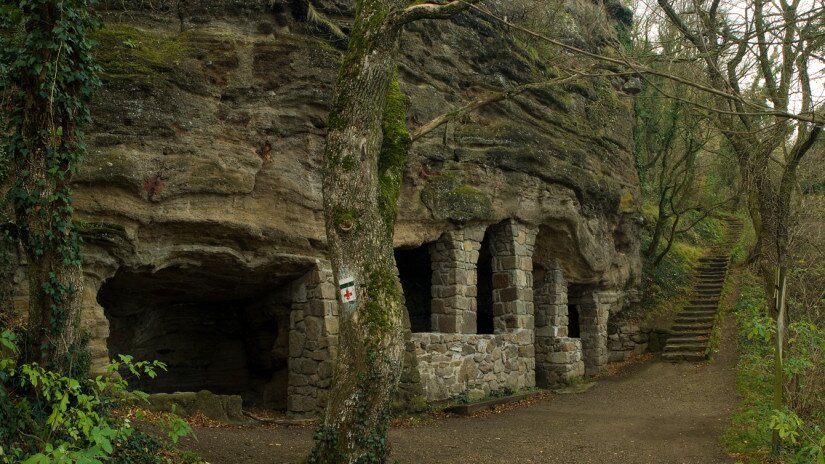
pixel 46 417
pixel 802 423
pixel 666 286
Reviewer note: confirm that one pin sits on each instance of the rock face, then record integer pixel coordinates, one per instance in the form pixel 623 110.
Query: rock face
pixel 202 200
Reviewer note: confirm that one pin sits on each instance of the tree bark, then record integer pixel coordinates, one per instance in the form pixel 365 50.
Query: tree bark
pixel 366 148
pixel 48 101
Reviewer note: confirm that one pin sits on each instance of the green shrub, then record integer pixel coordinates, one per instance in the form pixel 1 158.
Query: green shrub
pixel 46 417
pixel 755 419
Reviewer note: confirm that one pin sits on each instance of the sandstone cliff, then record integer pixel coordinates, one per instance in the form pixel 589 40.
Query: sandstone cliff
pixel 201 195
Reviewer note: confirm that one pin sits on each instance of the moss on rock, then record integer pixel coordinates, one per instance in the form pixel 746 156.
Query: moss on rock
pixel 448 197
pixel 128 52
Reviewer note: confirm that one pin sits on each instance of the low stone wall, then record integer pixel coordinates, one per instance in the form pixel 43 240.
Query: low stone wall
pixel 222 408
pixel 451 364
pixel 626 338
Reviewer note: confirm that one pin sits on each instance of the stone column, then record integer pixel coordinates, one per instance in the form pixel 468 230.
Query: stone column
pixel 593 316
pixel 93 319
pixel 558 357
pixel 313 341
pixel 98 266
pixel 454 259
pixel 512 246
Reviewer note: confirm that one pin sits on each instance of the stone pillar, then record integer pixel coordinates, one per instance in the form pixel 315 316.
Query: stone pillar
pixel 512 246
pixel 98 266
pixel 558 357
pixel 93 320
pixel 593 316
pixel 454 259
pixel 313 341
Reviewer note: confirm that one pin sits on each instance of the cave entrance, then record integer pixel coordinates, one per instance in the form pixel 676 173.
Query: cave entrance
pixel 573 323
pixel 415 272
pixel 484 285
pixel 217 331
pixel 576 294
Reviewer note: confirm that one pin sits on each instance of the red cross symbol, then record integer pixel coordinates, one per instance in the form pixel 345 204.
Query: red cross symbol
pixel 347 294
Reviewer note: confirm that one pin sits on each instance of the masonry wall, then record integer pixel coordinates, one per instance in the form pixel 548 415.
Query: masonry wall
pixel 313 341
pixel 452 364
pixel 558 357
pixel 626 338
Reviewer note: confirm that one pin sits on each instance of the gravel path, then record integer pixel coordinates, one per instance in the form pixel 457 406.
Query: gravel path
pixel 655 412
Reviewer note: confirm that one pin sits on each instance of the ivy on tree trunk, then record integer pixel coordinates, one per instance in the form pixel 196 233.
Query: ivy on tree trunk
pixel 49 79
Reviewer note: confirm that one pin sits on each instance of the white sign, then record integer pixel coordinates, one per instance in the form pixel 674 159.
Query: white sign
pixel 347 288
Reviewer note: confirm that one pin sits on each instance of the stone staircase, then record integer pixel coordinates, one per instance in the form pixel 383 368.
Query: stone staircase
pixel 690 332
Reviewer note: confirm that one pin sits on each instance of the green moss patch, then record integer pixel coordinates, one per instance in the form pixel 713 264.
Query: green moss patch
pixel 128 52
pixel 448 197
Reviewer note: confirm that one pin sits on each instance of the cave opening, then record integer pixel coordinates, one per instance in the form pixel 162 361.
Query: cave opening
pixel 573 324
pixel 415 272
pixel 484 287
pixel 217 331
pixel 576 294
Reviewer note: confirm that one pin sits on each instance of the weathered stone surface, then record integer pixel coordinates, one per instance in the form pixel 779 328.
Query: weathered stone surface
pixel 203 182
pixel 452 364
pixel 223 408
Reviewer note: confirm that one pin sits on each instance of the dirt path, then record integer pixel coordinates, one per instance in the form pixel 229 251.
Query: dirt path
pixel 657 412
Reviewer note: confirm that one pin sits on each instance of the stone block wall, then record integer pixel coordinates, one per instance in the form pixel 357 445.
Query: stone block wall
pixel 452 364
pixel 558 357
pixel 512 245
pixel 625 339
pixel 593 319
pixel 594 311
pixel 313 338
pixel 454 258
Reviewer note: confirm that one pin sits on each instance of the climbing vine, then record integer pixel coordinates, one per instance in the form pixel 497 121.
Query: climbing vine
pixel 49 77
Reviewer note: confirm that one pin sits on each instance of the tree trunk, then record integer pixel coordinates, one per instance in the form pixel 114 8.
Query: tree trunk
pixel 661 224
pixel 51 77
pixel 366 148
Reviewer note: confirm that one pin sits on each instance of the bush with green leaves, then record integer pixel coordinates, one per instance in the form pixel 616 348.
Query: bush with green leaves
pixel 801 427
pixel 46 417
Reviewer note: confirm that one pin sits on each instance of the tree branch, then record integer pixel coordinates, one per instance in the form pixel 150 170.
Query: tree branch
pixel 439 121
pixel 431 10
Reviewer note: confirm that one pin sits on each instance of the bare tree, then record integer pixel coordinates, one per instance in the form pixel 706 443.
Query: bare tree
pixel 757 57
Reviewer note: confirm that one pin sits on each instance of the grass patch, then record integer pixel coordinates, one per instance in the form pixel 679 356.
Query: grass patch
pixel 748 434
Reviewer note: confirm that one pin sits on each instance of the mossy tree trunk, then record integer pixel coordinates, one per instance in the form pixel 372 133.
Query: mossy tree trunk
pixel 51 77
pixel 366 148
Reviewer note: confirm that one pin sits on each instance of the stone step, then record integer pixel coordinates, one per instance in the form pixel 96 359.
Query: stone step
pixel 712 306
pixel 712 261
pixel 705 302
pixel 684 356
pixel 707 291
pixel 712 266
pixel 685 319
pixel 693 347
pixel 693 326
pixel 713 286
pixel 703 333
pixel 701 313
pixel 703 299
pixel 688 339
